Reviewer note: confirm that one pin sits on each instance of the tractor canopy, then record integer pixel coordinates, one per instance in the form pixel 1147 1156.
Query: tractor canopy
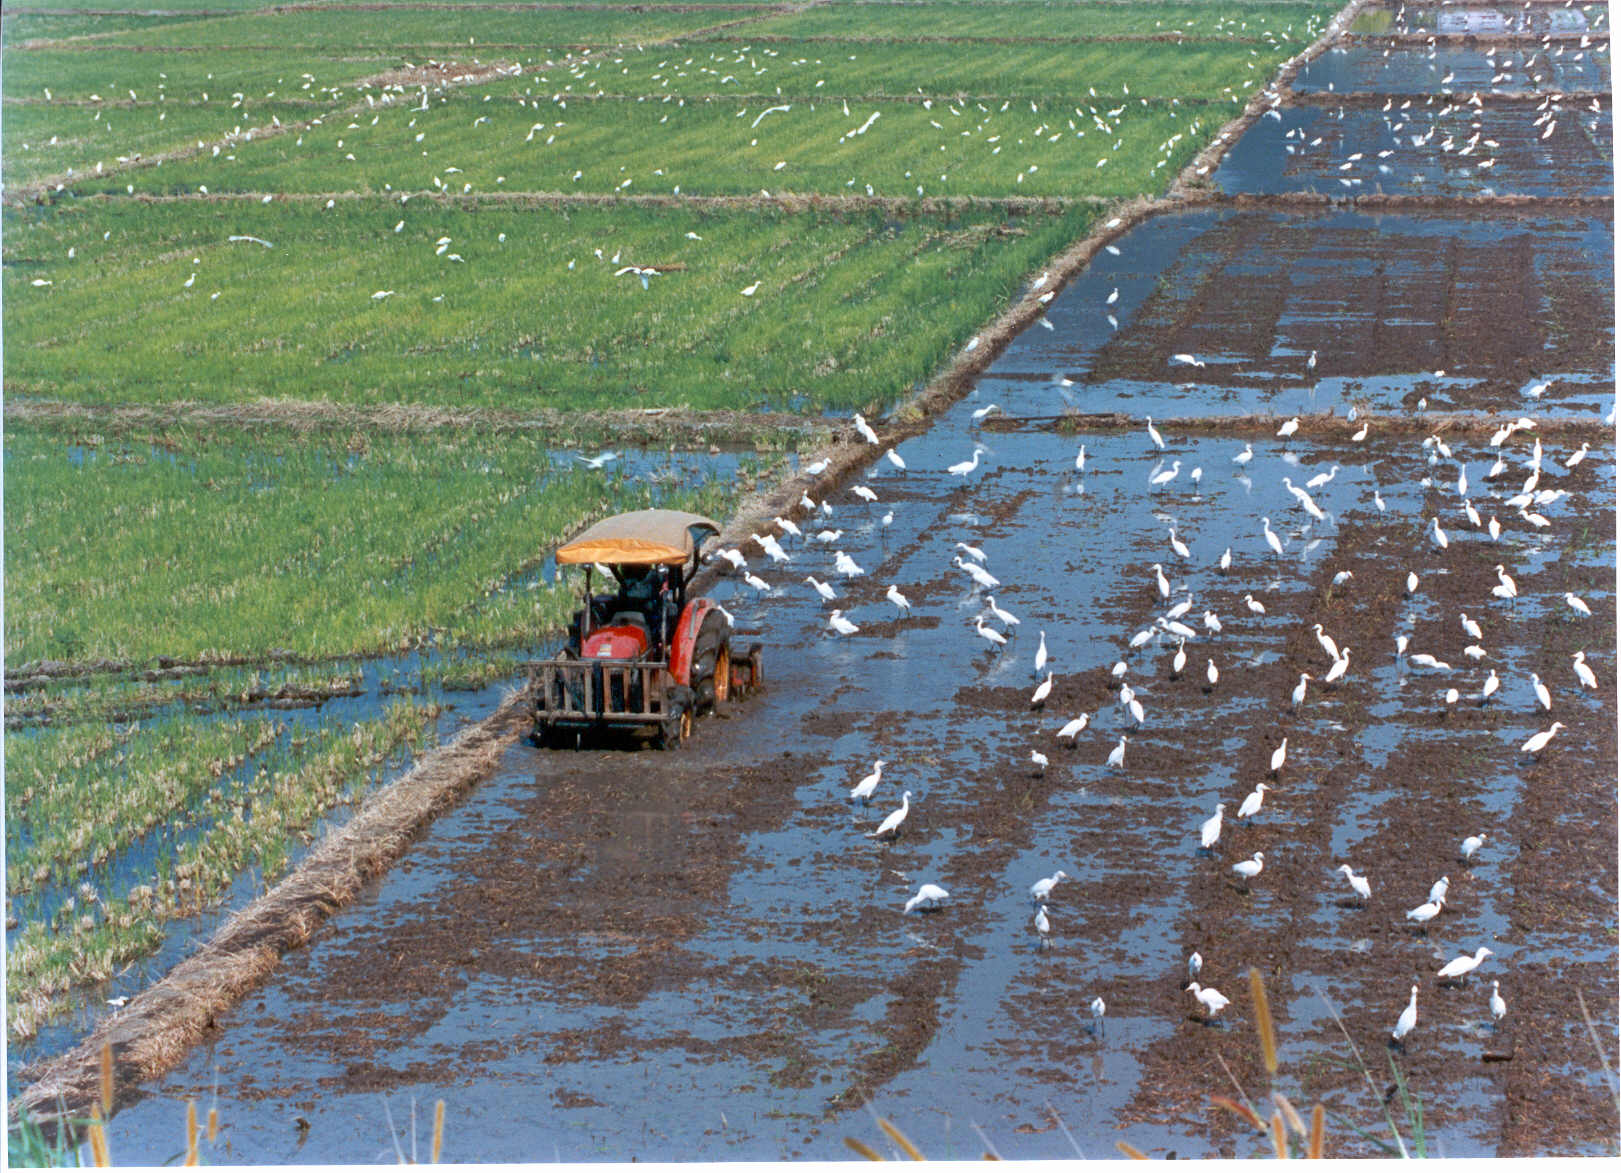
pixel 648 537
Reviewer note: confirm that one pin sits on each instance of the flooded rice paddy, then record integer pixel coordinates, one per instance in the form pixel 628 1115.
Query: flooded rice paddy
pixel 614 953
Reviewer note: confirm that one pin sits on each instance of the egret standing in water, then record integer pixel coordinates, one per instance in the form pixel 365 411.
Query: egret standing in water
pixel 1408 1019
pixel 1210 829
pixel 1041 889
pixel 903 605
pixel 1252 801
pixel 1043 927
pixel 1498 1006
pixel 864 788
pixel 1359 884
pixel 1248 869
pixel 1117 756
pixel 1043 690
pixel 928 897
pixel 1213 1001
pixel 1470 846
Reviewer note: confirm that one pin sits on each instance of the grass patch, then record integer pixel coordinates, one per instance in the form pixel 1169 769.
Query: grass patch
pixel 850 310
pixel 274 542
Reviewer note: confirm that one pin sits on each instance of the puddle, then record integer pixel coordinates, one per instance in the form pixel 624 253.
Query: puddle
pixel 1459 70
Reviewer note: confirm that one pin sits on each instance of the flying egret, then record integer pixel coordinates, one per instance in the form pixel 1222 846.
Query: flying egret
pixel 1252 801
pixel 1072 729
pixel 864 788
pixel 1043 690
pixel 1538 742
pixel 1041 889
pixel 1408 1019
pixel 840 624
pixel 928 897
pixel 892 821
pixel 903 605
pixel 1213 1001
pixel 1359 884
pixel 1248 869
pixel 1117 756
pixel 1462 966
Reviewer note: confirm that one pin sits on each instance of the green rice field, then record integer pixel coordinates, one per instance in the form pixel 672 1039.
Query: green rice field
pixel 222 636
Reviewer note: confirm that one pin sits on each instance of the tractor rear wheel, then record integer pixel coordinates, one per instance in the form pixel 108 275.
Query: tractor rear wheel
pixel 677 724
pixel 711 664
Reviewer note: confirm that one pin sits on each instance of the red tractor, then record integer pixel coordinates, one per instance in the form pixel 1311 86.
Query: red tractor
pixel 645 656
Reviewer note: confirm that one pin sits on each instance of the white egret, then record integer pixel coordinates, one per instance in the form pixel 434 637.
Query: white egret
pixel 1195 964
pixel 1256 607
pixel 892 821
pixel 1039 760
pixel 984 578
pixel 903 605
pixel 1179 547
pixel 1289 428
pixel 755 581
pixel 1041 889
pixel 1166 477
pixel 1578 663
pixel 1572 461
pixel 1210 829
pixel 1080 459
pixel 1498 1006
pixel 1359 884
pixel 1180 661
pixel 864 493
pixel 1272 539
pixel 964 467
pixel 1279 755
pixel 1043 691
pixel 735 557
pixel 1470 627
pixel 1226 561
pixel 1210 674
pixel 1153 433
pixel 1462 966
pixel 1043 927
pixel 1471 845
pixel 1098 1008
pixel 1161 583
pixel 1213 1001
pixel 1437 534
pixel 1425 913
pixel 1117 756
pixel 864 428
pixel 1577 605
pixel 1072 729
pixel 1538 742
pixel 1298 696
pixel 980 413
pixel 1338 668
pixel 1412 582
pixel 1245 456
pixel 1248 869
pixel 1491 686
pixel 846 565
pixel 974 552
pixel 1008 618
pixel 864 788
pixel 822 588
pixel 1211 622
pixel 1326 641
pixel 1408 1019
pixel 989 634
pixel 1438 890
pixel 928 897
pixel 1041 654
pixel 840 624
pixel 894 458
pixel 1252 801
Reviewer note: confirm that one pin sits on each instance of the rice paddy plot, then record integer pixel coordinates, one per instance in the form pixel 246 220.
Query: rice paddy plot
pixel 121 77
pixel 1101 74
pixel 209 548
pixel 505 306
pixel 21 29
pixel 427 31
pixel 1299 22
pixel 1407 70
pixel 1448 149
pixel 43 141
pixel 711 147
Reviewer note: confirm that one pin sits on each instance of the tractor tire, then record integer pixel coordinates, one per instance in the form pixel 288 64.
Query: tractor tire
pixel 711 674
pixel 677 724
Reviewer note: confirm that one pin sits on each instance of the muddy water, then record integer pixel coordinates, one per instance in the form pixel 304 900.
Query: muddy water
pixel 1406 70
pixel 611 953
